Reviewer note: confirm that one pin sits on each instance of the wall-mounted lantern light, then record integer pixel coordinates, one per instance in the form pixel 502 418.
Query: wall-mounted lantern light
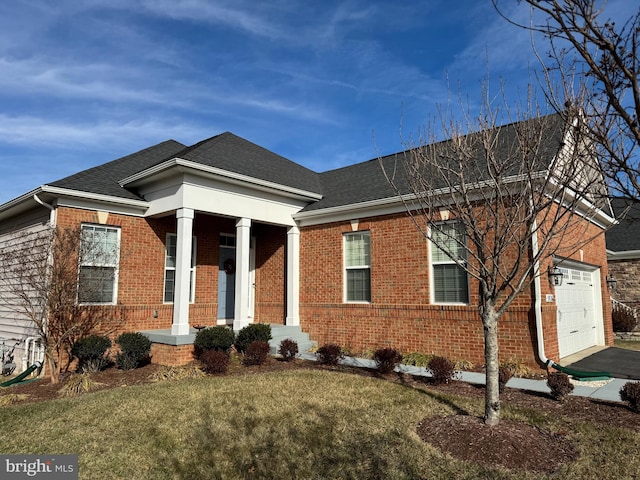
pixel 611 282
pixel 555 276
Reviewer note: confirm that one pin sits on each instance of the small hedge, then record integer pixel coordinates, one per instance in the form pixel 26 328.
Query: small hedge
pixel 256 353
pixel 442 370
pixel 623 320
pixel 560 385
pixel 214 338
pixel 329 354
pixel 630 393
pixel 90 352
pixel 504 375
pixel 214 361
pixel 251 333
pixel 288 349
pixel 387 359
pixel 135 350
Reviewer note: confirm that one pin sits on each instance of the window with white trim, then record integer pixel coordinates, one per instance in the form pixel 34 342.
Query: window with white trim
pixel 357 254
pixel 98 264
pixel 170 269
pixel 449 277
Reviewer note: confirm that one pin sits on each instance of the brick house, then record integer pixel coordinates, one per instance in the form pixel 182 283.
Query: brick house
pixel 225 232
pixel 623 252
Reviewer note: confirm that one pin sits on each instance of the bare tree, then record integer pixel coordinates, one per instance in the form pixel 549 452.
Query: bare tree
pixel 498 201
pixel 43 282
pixel 591 68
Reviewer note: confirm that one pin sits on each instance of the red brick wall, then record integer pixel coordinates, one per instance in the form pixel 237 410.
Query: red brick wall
pixel 400 314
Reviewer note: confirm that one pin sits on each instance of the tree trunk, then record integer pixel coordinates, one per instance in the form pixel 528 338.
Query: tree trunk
pixel 492 391
pixel 54 368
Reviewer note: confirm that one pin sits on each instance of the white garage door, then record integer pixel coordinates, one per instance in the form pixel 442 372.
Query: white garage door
pixel 575 300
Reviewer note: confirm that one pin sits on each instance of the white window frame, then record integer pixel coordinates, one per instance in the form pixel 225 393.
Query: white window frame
pixel 461 263
pixel 192 270
pixel 347 268
pixel 87 263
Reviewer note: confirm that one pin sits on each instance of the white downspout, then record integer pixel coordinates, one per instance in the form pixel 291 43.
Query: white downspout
pixel 537 299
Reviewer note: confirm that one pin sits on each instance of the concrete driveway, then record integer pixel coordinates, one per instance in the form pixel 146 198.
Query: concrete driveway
pixel 619 362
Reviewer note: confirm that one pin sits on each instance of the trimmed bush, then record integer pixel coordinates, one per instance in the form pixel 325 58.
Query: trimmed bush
pixel 256 353
pixel 90 352
pixel 288 349
pixel 623 320
pixel 560 385
pixel 135 350
pixel 329 354
pixel 630 393
pixel 442 370
pixel 387 359
pixel 214 361
pixel 214 338
pixel 251 333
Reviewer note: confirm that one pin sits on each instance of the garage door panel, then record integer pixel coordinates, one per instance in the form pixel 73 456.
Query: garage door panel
pixel 576 312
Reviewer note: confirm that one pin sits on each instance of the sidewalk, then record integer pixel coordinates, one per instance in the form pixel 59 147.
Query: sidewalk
pixel 609 392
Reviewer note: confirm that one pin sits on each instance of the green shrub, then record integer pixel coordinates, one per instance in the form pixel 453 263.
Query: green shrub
pixel 442 370
pixel 416 359
pixel 135 350
pixel 90 352
pixel 630 393
pixel 256 353
pixel 288 349
pixel 251 333
pixel 560 385
pixel 329 354
pixel 387 359
pixel 214 361
pixel 214 338
pixel 623 320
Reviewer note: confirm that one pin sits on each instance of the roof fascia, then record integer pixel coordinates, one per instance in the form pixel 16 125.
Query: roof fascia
pixel 623 255
pixel 163 168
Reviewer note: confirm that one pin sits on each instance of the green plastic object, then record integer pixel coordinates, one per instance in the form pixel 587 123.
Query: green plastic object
pixel 22 376
pixel 581 375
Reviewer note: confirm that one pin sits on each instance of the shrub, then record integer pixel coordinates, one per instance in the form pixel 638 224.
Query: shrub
pixel 442 370
pixel 214 338
pixel 560 385
pixel 623 320
pixel 214 361
pixel 90 352
pixel 630 393
pixel 76 384
pixel 251 333
pixel 256 353
pixel 417 359
pixel 135 350
pixel 288 349
pixel 387 359
pixel 329 354
pixel 504 375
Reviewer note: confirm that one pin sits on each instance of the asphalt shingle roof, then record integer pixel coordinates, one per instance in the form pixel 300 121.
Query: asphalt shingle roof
pixel 626 235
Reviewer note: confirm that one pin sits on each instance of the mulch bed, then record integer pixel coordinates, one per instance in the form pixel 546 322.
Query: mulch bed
pixel 510 444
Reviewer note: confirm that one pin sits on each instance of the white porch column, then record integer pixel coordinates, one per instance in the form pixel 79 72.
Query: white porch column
pixel 243 246
pixel 293 276
pixel 184 238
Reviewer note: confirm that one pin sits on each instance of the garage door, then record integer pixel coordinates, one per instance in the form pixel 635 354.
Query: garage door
pixel 575 300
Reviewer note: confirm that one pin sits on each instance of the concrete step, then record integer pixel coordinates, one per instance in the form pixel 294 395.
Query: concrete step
pixel 295 333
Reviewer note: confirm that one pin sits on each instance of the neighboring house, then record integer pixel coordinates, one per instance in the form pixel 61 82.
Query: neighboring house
pixel 225 232
pixel 623 252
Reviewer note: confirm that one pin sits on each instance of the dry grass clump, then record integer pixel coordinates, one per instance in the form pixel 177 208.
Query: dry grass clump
pixel 165 374
pixel 77 384
pixel 12 398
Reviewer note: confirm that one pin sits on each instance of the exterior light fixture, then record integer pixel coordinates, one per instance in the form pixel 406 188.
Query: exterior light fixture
pixel 555 276
pixel 611 282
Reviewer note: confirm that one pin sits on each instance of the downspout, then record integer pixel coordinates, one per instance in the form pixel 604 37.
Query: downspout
pixel 537 297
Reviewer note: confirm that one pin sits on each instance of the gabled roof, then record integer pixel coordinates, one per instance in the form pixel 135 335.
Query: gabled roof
pixel 234 154
pixel 625 236
pixel 104 178
pixel 364 182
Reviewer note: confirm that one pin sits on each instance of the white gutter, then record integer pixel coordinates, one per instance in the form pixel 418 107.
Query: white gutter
pixel 537 298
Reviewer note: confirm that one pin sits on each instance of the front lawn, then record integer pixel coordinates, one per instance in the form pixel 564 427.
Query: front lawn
pixel 297 424
pixel 628 344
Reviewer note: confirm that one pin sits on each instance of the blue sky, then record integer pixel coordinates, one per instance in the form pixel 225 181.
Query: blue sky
pixel 324 84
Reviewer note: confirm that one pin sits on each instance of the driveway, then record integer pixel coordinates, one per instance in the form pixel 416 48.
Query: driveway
pixel 619 362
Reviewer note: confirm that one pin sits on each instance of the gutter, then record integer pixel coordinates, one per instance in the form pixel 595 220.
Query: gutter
pixel 537 302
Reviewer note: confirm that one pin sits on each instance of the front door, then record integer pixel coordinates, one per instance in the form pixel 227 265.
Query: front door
pixel 226 279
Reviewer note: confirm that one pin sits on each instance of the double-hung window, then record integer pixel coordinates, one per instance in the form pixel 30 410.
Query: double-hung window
pixel 98 264
pixel 448 259
pixel 170 269
pixel 357 249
